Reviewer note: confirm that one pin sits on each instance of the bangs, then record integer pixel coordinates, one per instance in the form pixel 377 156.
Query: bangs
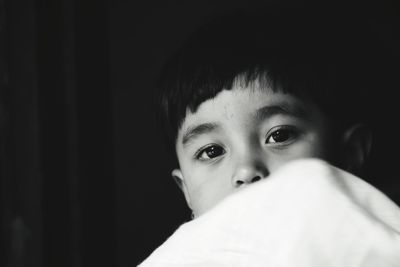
pixel 189 89
pixel 283 50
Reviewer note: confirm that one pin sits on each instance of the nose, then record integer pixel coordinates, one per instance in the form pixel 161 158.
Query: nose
pixel 248 172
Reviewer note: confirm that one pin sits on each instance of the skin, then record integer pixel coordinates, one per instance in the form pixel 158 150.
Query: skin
pixel 242 136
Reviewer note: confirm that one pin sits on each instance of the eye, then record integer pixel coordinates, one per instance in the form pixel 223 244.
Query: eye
pixel 281 134
pixel 210 152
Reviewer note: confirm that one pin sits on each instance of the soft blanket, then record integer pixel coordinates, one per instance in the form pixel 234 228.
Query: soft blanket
pixel 307 214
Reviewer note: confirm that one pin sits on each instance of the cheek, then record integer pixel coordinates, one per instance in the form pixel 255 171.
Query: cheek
pixel 204 175
pixel 309 147
pixel 314 146
pixel 207 187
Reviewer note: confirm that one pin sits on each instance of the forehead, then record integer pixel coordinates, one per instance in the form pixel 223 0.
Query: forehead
pixel 243 109
pixel 240 104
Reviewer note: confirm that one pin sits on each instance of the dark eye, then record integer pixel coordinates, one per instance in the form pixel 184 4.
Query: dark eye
pixel 281 135
pixel 210 152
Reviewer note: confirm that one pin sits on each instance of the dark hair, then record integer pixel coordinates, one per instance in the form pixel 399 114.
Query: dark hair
pixel 299 51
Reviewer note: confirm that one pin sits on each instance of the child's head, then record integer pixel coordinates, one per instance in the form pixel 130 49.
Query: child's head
pixel 249 92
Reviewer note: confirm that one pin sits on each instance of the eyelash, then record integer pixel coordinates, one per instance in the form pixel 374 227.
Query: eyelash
pixel 202 150
pixel 287 129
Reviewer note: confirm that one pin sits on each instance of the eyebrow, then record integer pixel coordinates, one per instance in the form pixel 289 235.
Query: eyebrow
pixel 281 109
pixel 197 130
pixel 260 114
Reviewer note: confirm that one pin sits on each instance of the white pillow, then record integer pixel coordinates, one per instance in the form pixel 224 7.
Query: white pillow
pixel 307 214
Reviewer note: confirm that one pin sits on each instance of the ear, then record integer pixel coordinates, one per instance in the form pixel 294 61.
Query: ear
pixel 357 142
pixel 178 178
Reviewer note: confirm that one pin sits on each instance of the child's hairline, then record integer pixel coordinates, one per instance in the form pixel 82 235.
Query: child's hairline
pixel 259 81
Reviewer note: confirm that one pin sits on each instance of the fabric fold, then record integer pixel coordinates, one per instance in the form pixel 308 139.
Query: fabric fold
pixel 308 213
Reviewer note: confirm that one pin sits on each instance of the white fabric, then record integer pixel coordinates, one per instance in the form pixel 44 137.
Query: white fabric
pixel 307 214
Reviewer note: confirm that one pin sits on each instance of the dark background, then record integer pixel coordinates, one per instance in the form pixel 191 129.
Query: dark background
pixel 84 177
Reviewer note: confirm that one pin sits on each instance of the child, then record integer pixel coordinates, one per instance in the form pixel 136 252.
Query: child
pixel 250 92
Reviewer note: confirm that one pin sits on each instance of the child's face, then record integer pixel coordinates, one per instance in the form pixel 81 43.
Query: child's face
pixel 244 135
